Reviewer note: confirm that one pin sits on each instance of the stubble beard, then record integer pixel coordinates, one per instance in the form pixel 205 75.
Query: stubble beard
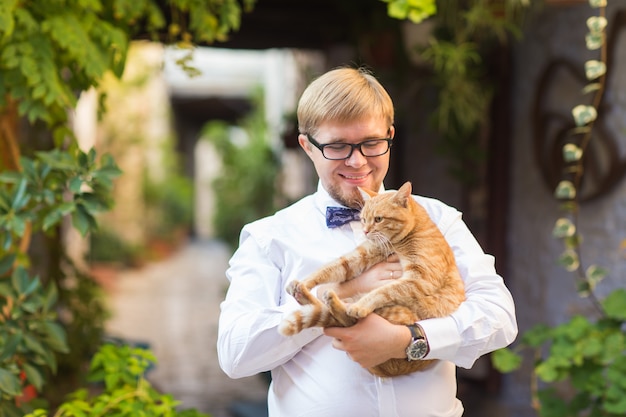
pixel 352 199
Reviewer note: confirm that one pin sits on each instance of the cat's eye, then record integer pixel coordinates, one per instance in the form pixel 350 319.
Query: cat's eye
pixel 378 219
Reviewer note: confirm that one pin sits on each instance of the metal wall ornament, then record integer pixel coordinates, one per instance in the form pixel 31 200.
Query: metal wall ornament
pixel 560 85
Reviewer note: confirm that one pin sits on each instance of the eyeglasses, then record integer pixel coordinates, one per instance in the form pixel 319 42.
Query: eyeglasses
pixel 339 150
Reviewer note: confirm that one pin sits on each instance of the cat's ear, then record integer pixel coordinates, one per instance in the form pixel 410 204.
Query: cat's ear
pixel 366 194
pixel 404 193
pixel 406 188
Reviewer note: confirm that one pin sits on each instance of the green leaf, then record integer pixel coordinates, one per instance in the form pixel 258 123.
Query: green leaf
pixel 597 23
pixel 82 220
pixel 18 225
pixel 614 304
pixel 7 23
pixel 56 214
pixel 55 336
pixel 50 298
pixel 595 274
pixel 572 153
pixel 565 190
pixel 33 376
pixel 547 372
pixel 33 344
pixel 584 114
pixel 9 383
pixel 20 198
pixel 51 219
pixel 93 203
pixel 505 360
pixel 569 260
pixel 590 88
pixel 594 41
pixel 594 69
pixel 75 185
pixel 22 283
pixel 49 357
pixel 10 347
pixel 537 335
pixel 563 228
pixel 6 263
pixel 8 241
pixel 583 288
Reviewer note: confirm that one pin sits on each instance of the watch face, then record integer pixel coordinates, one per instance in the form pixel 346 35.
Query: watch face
pixel 417 350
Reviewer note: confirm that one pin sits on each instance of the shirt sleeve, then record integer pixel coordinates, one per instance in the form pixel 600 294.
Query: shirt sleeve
pixel 248 338
pixel 486 320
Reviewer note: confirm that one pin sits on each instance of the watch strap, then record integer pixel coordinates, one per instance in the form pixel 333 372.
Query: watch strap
pixel 416 332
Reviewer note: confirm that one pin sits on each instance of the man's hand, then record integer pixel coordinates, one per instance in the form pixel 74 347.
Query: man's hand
pixel 375 277
pixel 372 341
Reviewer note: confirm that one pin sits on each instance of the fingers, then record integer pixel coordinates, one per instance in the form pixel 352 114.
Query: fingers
pixel 393 258
pixel 393 271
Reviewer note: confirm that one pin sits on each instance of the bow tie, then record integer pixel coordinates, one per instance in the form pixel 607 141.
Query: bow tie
pixel 338 216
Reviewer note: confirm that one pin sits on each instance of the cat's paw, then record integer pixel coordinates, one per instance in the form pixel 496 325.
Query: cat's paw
pixel 357 311
pixel 299 292
pixel 292 288
pixel 328 297
pixel 289 326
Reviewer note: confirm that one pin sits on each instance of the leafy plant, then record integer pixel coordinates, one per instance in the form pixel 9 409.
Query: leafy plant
pixel 170 199
pixel 50 51
pixel 246 188
pixel 29 335
pixel 581 363
pixel 414 10
pixel 124 390
pixel 48 188
pixel 54 185
pixel 465 36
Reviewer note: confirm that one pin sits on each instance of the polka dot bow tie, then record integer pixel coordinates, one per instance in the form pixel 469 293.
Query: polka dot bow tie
pixel 338 216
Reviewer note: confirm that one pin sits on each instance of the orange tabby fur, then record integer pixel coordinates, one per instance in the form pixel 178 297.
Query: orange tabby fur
pixel 430 285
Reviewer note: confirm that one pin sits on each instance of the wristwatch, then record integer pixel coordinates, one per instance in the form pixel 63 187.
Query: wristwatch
pixel 418 348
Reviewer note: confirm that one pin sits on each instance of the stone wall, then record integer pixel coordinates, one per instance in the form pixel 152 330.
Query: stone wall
pixel 544 292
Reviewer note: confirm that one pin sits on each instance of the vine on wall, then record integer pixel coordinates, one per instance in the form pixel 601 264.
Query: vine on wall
pixel 580 365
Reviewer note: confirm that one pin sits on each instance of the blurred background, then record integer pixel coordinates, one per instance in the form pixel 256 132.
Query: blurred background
pixel 206 140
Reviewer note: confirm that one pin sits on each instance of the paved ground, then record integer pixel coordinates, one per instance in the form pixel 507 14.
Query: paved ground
pixel 173 306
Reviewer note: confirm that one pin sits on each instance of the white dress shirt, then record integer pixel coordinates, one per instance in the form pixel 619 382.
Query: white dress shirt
pixel 309 376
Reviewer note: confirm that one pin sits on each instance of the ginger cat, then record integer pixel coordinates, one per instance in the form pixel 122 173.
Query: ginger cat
pixel 430 285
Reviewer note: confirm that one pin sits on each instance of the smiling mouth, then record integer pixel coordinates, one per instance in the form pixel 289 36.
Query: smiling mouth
pixel 354 177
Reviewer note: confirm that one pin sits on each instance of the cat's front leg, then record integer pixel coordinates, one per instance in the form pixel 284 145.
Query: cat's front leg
pixel 345 267
pixel 368 303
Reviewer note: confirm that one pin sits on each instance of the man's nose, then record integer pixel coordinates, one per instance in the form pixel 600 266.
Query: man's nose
pixel 357 159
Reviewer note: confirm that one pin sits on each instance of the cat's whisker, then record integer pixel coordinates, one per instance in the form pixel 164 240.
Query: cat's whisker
pixel 382 242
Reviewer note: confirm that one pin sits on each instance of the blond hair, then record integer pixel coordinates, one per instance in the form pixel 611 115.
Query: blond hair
pixel 343 95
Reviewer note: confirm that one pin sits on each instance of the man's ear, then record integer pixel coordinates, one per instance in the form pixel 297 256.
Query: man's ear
pixel 304 144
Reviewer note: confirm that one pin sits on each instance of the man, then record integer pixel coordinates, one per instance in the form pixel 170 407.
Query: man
pixel 345 119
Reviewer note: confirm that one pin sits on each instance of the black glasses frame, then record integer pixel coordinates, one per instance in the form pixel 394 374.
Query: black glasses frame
pixel 321 147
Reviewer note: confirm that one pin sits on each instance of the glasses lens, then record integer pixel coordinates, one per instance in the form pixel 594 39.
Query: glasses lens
pixel 337 151
pixel 374 147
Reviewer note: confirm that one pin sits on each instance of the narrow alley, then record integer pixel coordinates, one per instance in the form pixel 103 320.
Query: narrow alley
pixel 173 306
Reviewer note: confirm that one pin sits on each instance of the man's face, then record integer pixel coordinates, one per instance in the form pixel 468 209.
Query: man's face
pixel 341 178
